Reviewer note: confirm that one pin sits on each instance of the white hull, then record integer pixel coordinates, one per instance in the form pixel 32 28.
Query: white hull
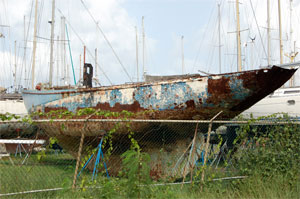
pixel 16 107
pixel 283 100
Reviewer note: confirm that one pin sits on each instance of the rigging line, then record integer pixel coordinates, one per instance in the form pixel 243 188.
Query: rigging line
pixel 91 54
pixel 258 29
pixel 202 41
pixel 17 63
pixel 71 55
pixel 211 54
pixel 5 13
pixel 106 39
pixel 25 42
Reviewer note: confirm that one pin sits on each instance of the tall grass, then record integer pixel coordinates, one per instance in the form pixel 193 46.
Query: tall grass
pixel 30 178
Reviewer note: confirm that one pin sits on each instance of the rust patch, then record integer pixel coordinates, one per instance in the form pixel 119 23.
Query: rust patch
pixel 48 109
pixel 218 86
pixel 65 94
pixel 135 107
pixel 156 171
pixel 190 104
pixel 219 90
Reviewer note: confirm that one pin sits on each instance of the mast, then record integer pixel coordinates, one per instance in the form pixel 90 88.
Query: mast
pixel 80 67
pixel 83 56
pixel 219 30
pixel 51 46
pixel 34 45
pixel 63 52
pixel 96 53
pixel 96 64
pixel 137 54
pixel 57 62
pixel 280 32
pixel 143 47
pixel 268 30
pixel 182 55
pixel 291 29
pixel 24 57
pixel 15 75
pixel 293 52
pixel 238 34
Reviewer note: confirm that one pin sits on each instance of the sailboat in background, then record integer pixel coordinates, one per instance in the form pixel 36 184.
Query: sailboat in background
pixel 12 102
pixel 285 99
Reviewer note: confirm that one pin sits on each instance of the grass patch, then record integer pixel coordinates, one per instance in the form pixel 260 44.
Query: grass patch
pixel 58 170
pixel 51 172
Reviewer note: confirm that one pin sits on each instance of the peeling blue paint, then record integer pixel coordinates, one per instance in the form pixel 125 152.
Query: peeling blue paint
pixel 237 89
pixel 115 97
pixel 169 98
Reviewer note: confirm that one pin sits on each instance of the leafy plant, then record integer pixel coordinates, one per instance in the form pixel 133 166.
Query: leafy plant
pixel 137 170
pixel 269 151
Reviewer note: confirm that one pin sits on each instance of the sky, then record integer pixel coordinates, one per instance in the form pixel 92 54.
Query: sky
pixel 110 26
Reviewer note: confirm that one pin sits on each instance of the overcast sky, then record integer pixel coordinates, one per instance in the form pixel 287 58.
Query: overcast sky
pixel 165 22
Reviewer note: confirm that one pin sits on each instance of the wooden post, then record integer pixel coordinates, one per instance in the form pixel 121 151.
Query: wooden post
pixel 78 161
pixel 192 158
pixel 207 143
pixel 193 152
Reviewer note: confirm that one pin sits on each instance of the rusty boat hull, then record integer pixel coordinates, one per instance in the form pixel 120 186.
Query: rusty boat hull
pixel 186 98
pixel 194 97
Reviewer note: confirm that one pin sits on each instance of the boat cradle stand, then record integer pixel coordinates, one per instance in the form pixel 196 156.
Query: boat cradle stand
pixel 98 157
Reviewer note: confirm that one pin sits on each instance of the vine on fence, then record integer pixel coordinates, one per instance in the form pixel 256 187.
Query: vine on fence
pixel 268 151
pixel 135 163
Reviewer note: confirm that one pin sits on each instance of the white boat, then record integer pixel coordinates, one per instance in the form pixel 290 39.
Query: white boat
pixel 283 100
pixel 13 104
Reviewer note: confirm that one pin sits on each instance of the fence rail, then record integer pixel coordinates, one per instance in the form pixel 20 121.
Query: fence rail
pixel 178 150
pixel 255 122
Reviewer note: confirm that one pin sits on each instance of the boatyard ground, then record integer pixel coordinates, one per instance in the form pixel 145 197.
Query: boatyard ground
pixel 264 163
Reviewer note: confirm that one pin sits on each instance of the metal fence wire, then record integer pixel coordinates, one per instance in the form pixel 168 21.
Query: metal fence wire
pixel 61 154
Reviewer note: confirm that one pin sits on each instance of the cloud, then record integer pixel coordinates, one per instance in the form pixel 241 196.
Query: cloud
pixel 118 18
pixel 113 21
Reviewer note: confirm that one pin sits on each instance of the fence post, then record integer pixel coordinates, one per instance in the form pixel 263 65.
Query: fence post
pixel 207 143
pixel 192 144
pixel 193 151
pixel 78 160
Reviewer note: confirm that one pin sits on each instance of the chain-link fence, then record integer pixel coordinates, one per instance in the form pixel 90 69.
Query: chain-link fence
pixel 61 154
